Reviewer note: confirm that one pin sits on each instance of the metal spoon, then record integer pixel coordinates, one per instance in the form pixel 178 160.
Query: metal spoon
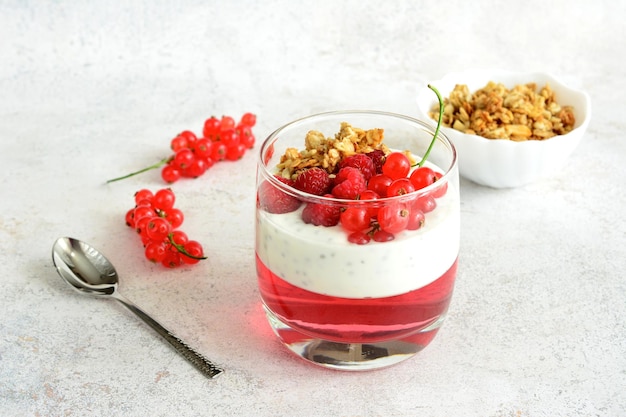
pixel 89 272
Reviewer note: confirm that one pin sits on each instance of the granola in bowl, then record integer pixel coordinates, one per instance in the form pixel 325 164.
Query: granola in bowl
pixel 509 128
pixel 494 111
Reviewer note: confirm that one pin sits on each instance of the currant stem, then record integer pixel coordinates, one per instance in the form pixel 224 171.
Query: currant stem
pixel 181 248
pixel 432 143
pixel 153 166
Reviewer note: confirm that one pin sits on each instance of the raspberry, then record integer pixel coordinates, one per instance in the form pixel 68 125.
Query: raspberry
pixel 321 214
pixel 313 181
pixel 378 158
pixel 349 183
pixel 362 162
pixel 273 200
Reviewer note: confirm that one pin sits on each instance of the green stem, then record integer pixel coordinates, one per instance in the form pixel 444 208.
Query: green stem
pixel 154 166
pixel 182 249
pixel 432 142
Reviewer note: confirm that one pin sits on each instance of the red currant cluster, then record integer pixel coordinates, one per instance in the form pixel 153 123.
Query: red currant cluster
pixel 222 139
pixel 156 220
pixel 371 176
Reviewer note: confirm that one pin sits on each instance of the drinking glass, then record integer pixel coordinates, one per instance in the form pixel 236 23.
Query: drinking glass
pixel 352 306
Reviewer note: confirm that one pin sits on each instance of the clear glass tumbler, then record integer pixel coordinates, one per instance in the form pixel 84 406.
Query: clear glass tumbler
pixel 348 304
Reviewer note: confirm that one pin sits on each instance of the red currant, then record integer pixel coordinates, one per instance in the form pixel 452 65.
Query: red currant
pixel 171 259
pixel 355 219
pixel 218 153
pixel 179 237
pixel 178 143
pixel 130 218
pixel 203 148
pixel 155 251
pixel 426 203
pixel 235 152
pixel 229 137
pixel 143 211
pixel 398 187
pixel 209 162
pixel 144 203
pixel 144 239
pixel 143 194
pixel 397 165
pixel 246 137
pixel 164 199
pixel 190 136
pixel 227 122
pixel 393 218
pixel 170 174
pixel 194 249
pixel 382 236
pixel 183 158
pixel 370 195
pixel 158 228
pixel 197 168
pixel 211 127
pixel 379 184
pixel 359 238
pixel 441 190
pixel 141 225
pixel 248 119
pixel 174 216
pixel 422 177
pixel 416 219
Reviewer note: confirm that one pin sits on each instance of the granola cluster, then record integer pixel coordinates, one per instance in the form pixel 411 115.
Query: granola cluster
pixel 496 112
pixel 327 152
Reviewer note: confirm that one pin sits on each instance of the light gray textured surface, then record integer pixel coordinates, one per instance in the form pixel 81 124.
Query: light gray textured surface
pixel 93 90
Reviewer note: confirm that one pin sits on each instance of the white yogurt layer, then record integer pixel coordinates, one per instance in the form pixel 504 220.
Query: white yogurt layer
pixel 320 259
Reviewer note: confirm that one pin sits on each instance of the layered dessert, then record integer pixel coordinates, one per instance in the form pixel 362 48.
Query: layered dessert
pixel 345 259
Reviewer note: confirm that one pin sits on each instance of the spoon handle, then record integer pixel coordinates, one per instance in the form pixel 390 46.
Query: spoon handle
pixel 204 365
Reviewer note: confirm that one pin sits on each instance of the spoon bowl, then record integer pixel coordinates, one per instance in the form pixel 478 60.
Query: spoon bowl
pixel 90 272
pixel 84 268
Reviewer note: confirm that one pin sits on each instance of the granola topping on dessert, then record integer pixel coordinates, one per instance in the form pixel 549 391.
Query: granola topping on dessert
pixel 327 152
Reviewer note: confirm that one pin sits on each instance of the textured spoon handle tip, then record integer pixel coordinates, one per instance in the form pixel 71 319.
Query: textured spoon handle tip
pixel 200 362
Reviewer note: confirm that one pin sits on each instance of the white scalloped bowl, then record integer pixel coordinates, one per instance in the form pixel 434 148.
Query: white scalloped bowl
pixel 502 163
